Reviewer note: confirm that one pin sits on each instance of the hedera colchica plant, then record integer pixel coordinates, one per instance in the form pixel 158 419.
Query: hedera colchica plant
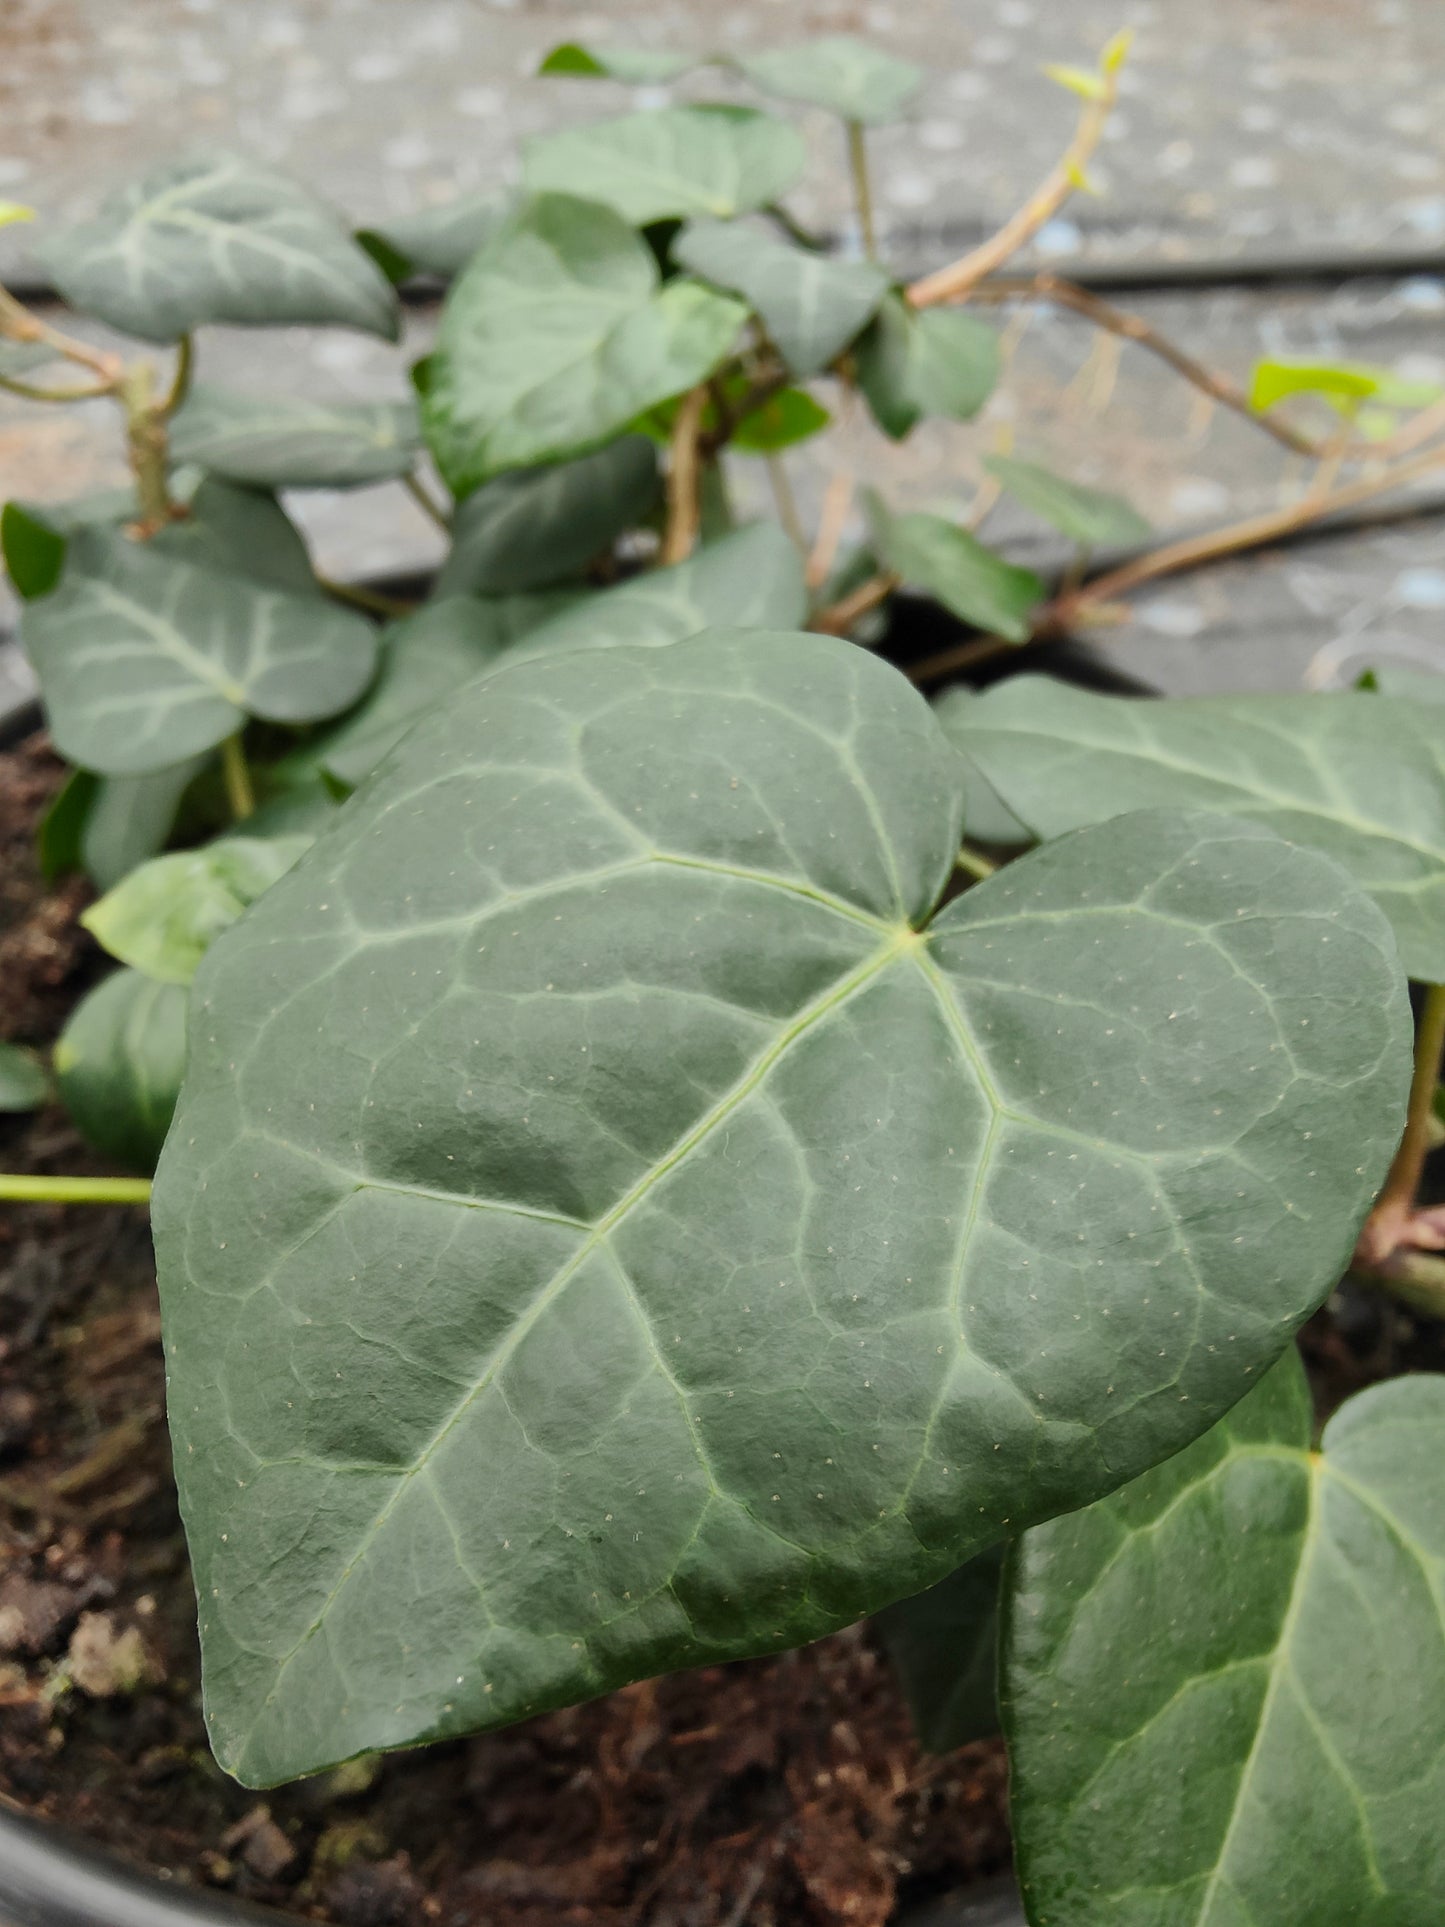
pixel 644 1190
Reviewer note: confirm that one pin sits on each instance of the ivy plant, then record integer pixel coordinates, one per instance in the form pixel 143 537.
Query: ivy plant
pixel 668 1140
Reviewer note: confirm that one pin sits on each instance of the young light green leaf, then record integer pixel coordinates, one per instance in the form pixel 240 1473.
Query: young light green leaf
pixel 426 658
pixel 811 307
pixel 790 416
pixel 1361 777
pixel 1224 1687
pixel 1090 516
pixel 216 237
pixel 944 1647
pixel 977 585
pixel 676 161
pixel 435 240
pixel 243 532
pixel 1342 384
pixel 637 66
pixel 106 825
pixel 751 578
pixel 23 1083
pixel 628 953
pixel 557 337
pixel 164 916
pixel 839 72
pixel 119 1062
pixel 935 362
pixel 282 442
pixel 535 527
pixel 144 659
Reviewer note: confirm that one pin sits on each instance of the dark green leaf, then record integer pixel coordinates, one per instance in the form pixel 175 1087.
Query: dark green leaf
pixel 790 416
pixel 638 66
pixel 535 527
pixel 240 531
pixel 216 237
pixel 839 72
pixel 144 659
pixel 34 551
pixel 119 1062
pixel 749 579
pixel 934 362
pixel 811 307
pixel 557 337
pixel 23 1083
pixel 435 240
pixel 1357 776
pixel 1224 1686
pixel 280 442
pixel 164 916
pixel 977 585
pixel 944 1646
pixel 1089 516
pixel 736 1302
pixel 673 161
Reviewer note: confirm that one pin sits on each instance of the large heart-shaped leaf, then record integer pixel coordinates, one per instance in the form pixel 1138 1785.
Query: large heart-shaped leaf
pixel 217 237
pixel 283 442
pixel 557 337
pixel 535 527
pixel 937 362
pixel 1225 1685
pixel 1089 516
pixel 605 1230
pixel 118 1065
pixel 944 1647
pixel 435 240
pixel 676 162
pixel 1358 775
pixel 811 306
pixel 749 579
pixel 839 72
pixel 144 659
pixel 971 580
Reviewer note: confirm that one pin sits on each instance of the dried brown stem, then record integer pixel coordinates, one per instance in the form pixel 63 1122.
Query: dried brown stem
pixel 684 480
pixel 833 520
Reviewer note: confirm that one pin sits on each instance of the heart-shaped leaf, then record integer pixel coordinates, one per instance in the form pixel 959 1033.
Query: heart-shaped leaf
pixel 106 825
pixel 1089 516
pixel 839 72
pixel 749 579
pixel 534 527
pixel 23 1083
pixel 144 659
pixel 670 163
pixel 637 66
pixel 1357 775
pixel 1225 1685
pixel 557 337
pixel 435 240
pixel 935 362
pixel 425 658
pixel 944 1647
pixel 164 916
pixel 216 237
pixel 790 416
pixel 240 531
pixel 119 1062
pixel 282 442
pixel 977 585
pixel 686 1251
pixel 811 306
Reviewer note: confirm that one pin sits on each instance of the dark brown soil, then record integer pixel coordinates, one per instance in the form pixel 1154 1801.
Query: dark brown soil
pixel 785 1790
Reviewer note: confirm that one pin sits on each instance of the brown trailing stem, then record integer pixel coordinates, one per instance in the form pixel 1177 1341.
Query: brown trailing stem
pixel 17 323
pixel 834 519
pixel 1388 1227
pixel 684 480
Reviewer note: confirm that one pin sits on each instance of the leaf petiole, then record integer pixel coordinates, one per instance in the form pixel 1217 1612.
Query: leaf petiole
pixel 862 186
pixel 40 1189
pixel 240 793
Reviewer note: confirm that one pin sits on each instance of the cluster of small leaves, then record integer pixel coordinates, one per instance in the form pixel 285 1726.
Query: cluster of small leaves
pixel 626 1208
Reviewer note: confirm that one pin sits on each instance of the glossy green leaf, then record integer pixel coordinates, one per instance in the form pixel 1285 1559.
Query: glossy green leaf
pixel 426 658
pixel 1225 1685
pixel 811 306
pixel 784 419
pixel 944 1647
pixel 637 66
pixel 435 240
pixel 839 72
pixel 557 337
pixel 677 161
pixel 34 550
pixel 164 916
pixel 937 362
pixel 282 442
pixel 733 1300
pixel 1361 777
pixel 240 531
pixel 535 527
pixel 144 659
pixel 749 579
pixel 1090 516
pixel 119 1062
pixel 217 237
pixel 23 1083
pixel 1342 384
pixel 106 825
pixel 977 585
